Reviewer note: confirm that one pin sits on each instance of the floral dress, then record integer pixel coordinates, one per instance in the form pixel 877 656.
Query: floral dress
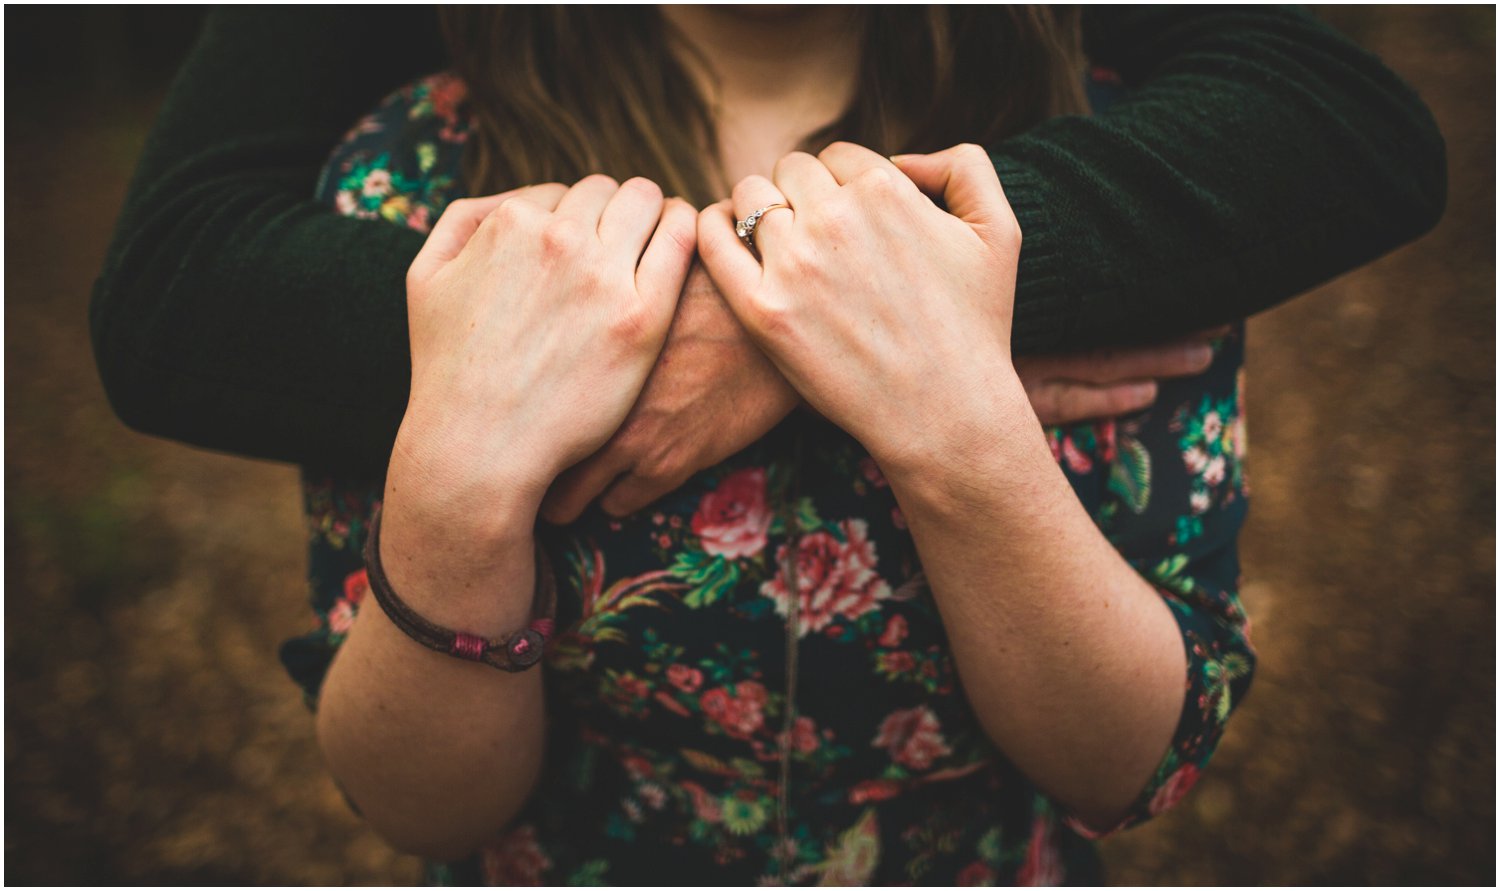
pixel 701 730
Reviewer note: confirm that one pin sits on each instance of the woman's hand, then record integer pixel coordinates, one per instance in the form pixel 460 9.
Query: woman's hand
pixel 889 315
pixel 711 394
pixel 535 319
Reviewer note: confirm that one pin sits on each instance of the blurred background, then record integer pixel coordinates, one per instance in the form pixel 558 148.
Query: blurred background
pixel 151 736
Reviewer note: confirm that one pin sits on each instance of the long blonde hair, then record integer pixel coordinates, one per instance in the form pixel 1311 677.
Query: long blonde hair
pixel 559 92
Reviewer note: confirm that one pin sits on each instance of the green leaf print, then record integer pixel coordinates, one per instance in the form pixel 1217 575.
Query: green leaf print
pixel 1130 477
pixel 710 577
pixel 590 874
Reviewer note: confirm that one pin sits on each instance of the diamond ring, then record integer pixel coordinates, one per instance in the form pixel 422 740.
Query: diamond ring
pixel 745 228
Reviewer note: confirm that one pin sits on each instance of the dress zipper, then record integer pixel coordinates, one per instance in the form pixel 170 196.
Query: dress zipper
pixel 785 850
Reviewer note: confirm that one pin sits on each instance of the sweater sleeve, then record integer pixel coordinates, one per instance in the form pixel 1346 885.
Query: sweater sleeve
pixel 233 311
pixel 1258 154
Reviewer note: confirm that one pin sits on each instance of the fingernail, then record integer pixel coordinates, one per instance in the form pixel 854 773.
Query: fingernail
pixel 1144 392
pixel 897 159
pixel 1199 355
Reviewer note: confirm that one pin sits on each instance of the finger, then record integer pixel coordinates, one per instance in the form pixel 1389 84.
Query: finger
pixel 586 200
pixel 751 194
pixel 734 270
pixel 459 221
pixel 1179 358
pixel 845 161
pixel 546 196
pixel 632 492
pixel 803 179
pixel 964 178
pixel 576 488
pixel 631 216
pixel 1061 402
pixel 668 255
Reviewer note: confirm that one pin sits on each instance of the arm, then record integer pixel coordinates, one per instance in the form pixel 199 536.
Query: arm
pixel 1258 153
pixel 233 313
pixel 1072 661
pixel 436 753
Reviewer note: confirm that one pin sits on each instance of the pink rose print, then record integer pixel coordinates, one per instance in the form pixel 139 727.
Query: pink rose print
pixel 1213 474
pixel 377 183
pixel 1106 434
pixel 355 586
pixel 1195 459
pixel 895 632
pixel 913 737
pixel 866 791
pixel 740 711
pixel 804 735
pixel 976 875
pixel 684 678
pixel 1176 786
pixel 871 471
pixel 834 578
pixel 1043 866
pixel 898 662
pixel 419 219
pixel 733 519
pixel 341 617
pixel 447 92
pixel 1076 460
pixel 515 859
pixel 1213 425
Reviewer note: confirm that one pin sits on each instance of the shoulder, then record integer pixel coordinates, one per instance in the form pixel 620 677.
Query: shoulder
pixel 403 161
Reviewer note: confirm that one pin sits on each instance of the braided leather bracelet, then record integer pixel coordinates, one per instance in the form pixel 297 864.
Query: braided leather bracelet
pixel 516 652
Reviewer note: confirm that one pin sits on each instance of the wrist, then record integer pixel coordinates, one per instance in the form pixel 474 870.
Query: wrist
pixel 477 484
pixel 964 458
pixel 459 548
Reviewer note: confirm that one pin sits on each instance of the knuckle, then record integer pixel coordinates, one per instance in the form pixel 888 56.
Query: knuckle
pixel 599 179
pixel 562 236
pixel 876 180
pixel 971 152
pixel 631 323
pixel 833 148
pixel 642 186
pixel 511 214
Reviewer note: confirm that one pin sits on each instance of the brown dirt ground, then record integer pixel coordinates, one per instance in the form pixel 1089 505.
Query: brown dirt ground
pixel 150 736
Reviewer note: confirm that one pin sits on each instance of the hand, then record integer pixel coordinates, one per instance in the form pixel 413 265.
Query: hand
pixel 1107 383
pixel 711 394
pixel 535 318
pixel 889 315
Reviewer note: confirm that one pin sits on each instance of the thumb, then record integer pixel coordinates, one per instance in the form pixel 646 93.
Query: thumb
pixel 963 178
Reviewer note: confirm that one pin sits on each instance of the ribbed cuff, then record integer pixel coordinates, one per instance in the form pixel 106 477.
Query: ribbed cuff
pixel 1045 312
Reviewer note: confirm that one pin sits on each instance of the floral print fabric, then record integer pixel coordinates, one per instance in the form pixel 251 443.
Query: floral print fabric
pixel 697 735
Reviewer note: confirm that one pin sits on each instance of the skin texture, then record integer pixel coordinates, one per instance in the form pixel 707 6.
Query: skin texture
pixel 474 455
pixel 1072 662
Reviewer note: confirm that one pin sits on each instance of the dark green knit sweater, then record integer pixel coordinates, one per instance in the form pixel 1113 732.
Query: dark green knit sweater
pixel 1258 154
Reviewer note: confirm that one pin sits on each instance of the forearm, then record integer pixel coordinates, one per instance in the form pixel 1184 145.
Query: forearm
pixel 1072 662
pixel 1256 154
pixel 437 753
pixel 232 310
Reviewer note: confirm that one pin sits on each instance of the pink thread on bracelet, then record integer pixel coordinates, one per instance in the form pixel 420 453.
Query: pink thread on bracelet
pixel 544 627
pixel 468 646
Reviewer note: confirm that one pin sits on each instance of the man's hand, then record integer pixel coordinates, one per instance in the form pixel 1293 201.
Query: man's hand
pixel 711 394
pixel 1110 382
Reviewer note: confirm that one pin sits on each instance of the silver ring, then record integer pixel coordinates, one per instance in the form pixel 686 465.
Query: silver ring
pixel 745 228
